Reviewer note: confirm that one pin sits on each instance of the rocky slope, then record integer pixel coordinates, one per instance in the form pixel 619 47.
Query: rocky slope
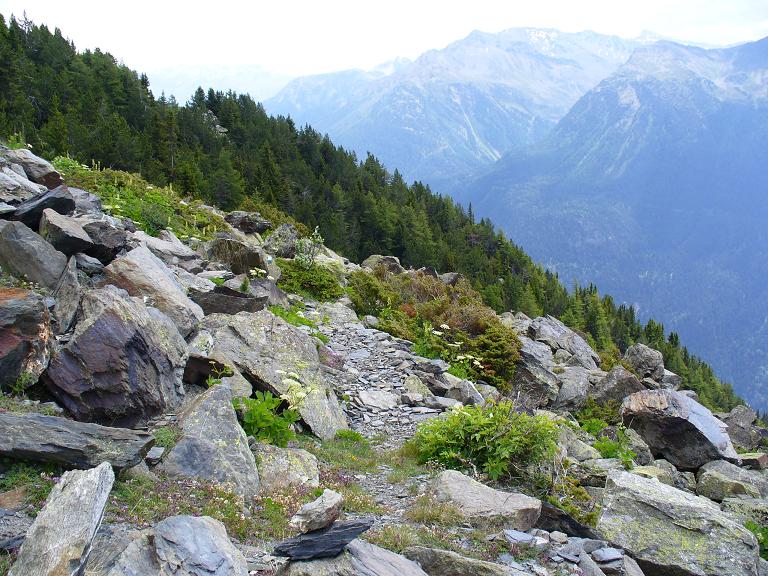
pixel 127 338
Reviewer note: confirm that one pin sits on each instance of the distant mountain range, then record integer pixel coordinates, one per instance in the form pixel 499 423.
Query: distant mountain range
pixel 456 110
pixel 655 186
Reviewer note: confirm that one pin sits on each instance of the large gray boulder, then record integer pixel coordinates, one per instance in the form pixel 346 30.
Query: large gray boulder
pixel 558 336
pixel 282 242
pixel 241 258
pixel 746 509
pixel 26 254
pixel 436 562
pixel 669 531
pixel 26 339
pixel 741 429
pixel 390 263
pixel 719 479
pixel 359 559
pixel 478 502
pixel 144 275
pixel 31 211
pixel 574 387
pixel 282 468
pixel 617 385
pixel 15 189
pixel 677 427
pixel 37 170
pixel 645 361
pixel 108 235
pixel 534 379
pixel 59 541
pixel 69 443
pixel 123 364
pixel 64 233
pixel 248 222
pixel 280 358
pixel 225 300
pixel 167 247
pixel 213 446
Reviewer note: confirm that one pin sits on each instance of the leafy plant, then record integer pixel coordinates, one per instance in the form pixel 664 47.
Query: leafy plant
pixel 567 494
pixel 24 381
pixel 316 282
pixel 761 533
pixel 308 248
pixel 166 436
pixel 494 438
pixel 610 412
pixel 262 418
pixel 218 281
pixel 618 448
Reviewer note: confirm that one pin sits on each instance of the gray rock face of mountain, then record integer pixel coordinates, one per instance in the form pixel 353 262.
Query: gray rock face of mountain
pixel 454 110
pixel 632 183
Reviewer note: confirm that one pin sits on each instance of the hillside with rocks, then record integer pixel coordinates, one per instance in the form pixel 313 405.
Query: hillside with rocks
pixel 228 396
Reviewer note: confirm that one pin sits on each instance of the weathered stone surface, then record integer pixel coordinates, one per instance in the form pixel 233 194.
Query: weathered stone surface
pixel 109 238
pixel 648 471
pixel 282 242
pixel 278 357
pixel 225 300
pixel 741 431
pixel 677 427
pixel 31 211
pixel 463 391
pixel 671 380
pixel 167 247
pixel 478 502
pixel 13 529
pixel 67 297
pixel 754 460
pixel 518 321
pixel 26 254
pixel 747 509
pixel 450 278
pixel 37 170
pixel 325 543
pixel 669 531
pixel 89 264
pixel 64 233
pixel 319 513
pixel 643 454
pixel 576 448
pixel 248 222
pixel 85 202
pixel 378 399
pixel 720 479
pixel 645 361
pixel 553 518
pixel 558 336
pixel 534 379
pixel 437 562
pixel 281 468
pixel 595 472
pixel 240 257
pixel 617 385
pixel 143 274
pixel 69 443
pixel 390 263
pixel 59 541
pixel 574 387
pixel 123 364
pixel 359 559
pixel 15 189
pixel 26 338
pixel 213 446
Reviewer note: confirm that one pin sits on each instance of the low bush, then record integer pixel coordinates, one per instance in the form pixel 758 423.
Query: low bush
pixel 609 413
pixel 494 438
pixel 316 282
pixel 761 533
pixel 262 418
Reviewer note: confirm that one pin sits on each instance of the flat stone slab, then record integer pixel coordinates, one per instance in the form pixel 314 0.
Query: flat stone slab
pixel 325 543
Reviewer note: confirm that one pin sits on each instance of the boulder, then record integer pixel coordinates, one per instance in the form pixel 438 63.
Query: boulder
pixel 85 202
pixel 754 460
pixel 241 258
pixel 518 321
pixel 64 233
pixel 379 399
pixel 635 442
pixel 319 513
pixel 450 278
pixel 167 247
pixel 26 339
pixel 324 543
pixel 123 364
pixel 57 200
pixel 670 380
pixel 26 254
pixel 617 385
pixel 480 503
pixel 534 380
pixel 225 300
pixel 108 236
pixel 67 297
pixel 359 559
pixel 558 336
pixel 282 242
pixel 720 479
pixel 248 222
pixel 669 531
pixel 278 357
pixel 574 447
pixel 645 361
pixel 574 387
pixel 746 509
pixel 677 427
pixel 281 468
pixel 37 170
pixel 648 471
pixel 69 443
pixel 741 429
pixel 144 275
pixel 59 541
pixel 15 189
pixel 436 562
pixel 213 446
pixel 390 263
pixel 13 529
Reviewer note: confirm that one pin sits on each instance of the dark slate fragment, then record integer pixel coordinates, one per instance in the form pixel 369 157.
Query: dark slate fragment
pixel 30 211
pixel 554 519
pixel 326 543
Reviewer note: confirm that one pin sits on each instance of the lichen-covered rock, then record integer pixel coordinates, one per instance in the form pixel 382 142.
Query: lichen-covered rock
pixel 720 479
pixel 26 254
pixel 248 222
pixel 123 364
pixel 436 562
pixel 37 170
pixel 213 446
pixel 645 361
pixel 574 387
pixel 741 429
pixel 241 258
pixel 557 336
pixel 478 502
pixel 677 427
pixel 319 513
pixel 67 297
pixel 143 274
pixel 64 233
pixel 281 468
pixel 390 263
pixel 59 541
pixel 282 242
pixel 617 385
pixel 747 509
pixel 669 531
pixel 280 358
pixel 26 338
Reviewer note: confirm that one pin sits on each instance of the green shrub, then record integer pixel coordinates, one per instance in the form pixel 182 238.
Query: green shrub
pixel 369 294
pixel 493 438
pixel 316 282
pixel 166 436
pixel 567 494
pixel 594 426
pixel 616 448
pixel 294 316
pixel 761 533
pixel 262 420
pixel 610 412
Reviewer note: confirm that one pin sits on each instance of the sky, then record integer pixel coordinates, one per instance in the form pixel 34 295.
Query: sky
pixel 258 46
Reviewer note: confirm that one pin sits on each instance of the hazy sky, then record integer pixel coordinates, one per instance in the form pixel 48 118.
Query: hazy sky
pixel 286 38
